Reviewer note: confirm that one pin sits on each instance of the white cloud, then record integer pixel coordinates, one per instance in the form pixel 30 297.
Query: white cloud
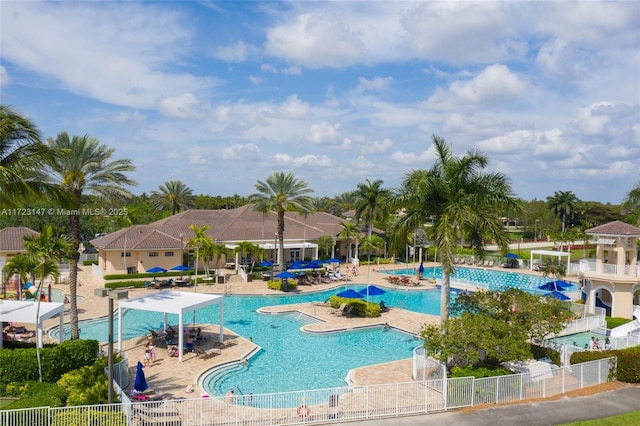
pixel 236 52
pixel 376 84
pixel 312 161
pixel 121 57
pixel 378 147
pixel 130 116
pixel 591 120
pixel 293 109
pixel 292 70
pixel 240 152
pixel 181 106
pixel 255 80
pixel 414 159
pixel 324 133
pixel 5 78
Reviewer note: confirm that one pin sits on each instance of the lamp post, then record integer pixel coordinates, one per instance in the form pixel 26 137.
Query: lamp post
pixel 112 295
pixel 275 254
pixel 181 254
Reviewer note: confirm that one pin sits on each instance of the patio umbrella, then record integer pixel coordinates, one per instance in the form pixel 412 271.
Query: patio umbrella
pixel 332 260
pixel 372 290
pixel 297 265
pixel 558 295
pixel 141 383
pixel 266 264
pixel 156 269
pixel 512 256
pixel 555 286
pixel 314 264
pixel 421 268
pixel 180 268
pixel 285 275
pixel 350 294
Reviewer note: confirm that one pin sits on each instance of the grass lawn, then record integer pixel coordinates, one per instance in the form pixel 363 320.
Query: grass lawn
pixel 622 419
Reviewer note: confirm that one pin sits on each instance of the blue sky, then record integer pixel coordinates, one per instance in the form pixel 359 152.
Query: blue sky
pixel 220 95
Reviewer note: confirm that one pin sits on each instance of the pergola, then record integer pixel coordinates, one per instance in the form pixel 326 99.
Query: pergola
pixel 27 312
pixel 541 253
pixel 171 302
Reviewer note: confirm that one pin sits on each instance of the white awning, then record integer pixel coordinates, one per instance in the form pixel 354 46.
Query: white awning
pixel 26 312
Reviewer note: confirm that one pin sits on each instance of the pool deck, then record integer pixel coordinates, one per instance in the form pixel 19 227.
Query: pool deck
pixel 169 377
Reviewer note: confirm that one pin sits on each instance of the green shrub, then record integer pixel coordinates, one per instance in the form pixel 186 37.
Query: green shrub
pixel 95 417
pixel 478 372
pixel 21 365
pixel 277 285
pixel 613 322
pixel 360 307
pixel 628 366
pixel 542 352
pixel 89 262
pixel 35 394
pixel 87 385
pixel 123 284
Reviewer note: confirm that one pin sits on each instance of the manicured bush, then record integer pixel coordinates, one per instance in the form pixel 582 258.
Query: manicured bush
pixel 628 366
pixel 478 372
pixel 613 322
pixel 277 285
pixel 19 365
pixel 89 262
pixel 360 307
pixel 87 385
pixel 124 284
pixel 34 394
pixel 95 417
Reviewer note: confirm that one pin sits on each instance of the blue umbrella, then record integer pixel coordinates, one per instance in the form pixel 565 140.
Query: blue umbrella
pixel 350 294
pixel 558 295
pixel 555 286
pixel 372 290
pixel 297 265
pixel 314 264
pixel 285 274
pixel 141 383
pixel 421 268
pixel 512 256
pixel 332 260
pixel 180 268
pixel 156 269
pixel 266 264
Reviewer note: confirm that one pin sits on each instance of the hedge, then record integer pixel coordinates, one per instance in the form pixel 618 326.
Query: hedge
pixel 628 368
pixel 20 365
pixel 124 284
pixel 360 308
pixel 34 394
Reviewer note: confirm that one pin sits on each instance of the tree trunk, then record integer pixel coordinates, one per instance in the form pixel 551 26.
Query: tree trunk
pixel 74 228
pixel 281 239
pixel 445 296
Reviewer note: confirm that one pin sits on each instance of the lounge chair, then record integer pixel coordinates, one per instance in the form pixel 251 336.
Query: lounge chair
pixel 225 344
pixel 340 309
pixel 347 312
pixel 332 276
pixel 383 307
pixel 204 354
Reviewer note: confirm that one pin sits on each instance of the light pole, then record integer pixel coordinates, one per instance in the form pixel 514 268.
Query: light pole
pixel 112 295
pixel 181 254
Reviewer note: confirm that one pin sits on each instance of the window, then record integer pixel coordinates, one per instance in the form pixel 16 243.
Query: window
pixel 122 254
pixel 168 254
pixel 153 254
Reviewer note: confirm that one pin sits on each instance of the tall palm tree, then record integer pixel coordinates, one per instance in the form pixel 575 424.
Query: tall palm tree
pixel 461 199
pixel 246 248
pixel 22 154
pixel 217 252
pixel 344 202
pixel 23 265
pixel 86 166
pixel 563 203
pixel 174 196
pixel 369 244
pixel 48 249
pixel 554 268
pixel 280 193
pixel 201 242
pixel 325 245
pixel 370 197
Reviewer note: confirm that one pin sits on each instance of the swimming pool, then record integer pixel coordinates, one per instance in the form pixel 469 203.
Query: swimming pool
pixel 579 339
pixel 59 295
pixel 490 278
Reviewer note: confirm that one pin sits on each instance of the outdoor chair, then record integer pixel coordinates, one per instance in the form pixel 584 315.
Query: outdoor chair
pixel 347 312
pixel 204 354
pixel 340 309
pixel 225 344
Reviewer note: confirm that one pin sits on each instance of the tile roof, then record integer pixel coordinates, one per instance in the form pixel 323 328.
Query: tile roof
pixel 11 239
pixel 616 228
pixel 241 224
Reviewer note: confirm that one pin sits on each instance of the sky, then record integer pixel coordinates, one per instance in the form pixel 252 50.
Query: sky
pixel 220 95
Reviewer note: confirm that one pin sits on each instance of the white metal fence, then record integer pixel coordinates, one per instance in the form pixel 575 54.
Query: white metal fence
pixel 323 405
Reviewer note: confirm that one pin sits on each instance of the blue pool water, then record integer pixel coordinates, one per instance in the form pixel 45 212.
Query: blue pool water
pixel 579 339
pixel 494 279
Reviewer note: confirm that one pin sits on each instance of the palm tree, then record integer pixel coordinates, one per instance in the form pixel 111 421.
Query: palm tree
pixel 563 203
pixel 86 166
pixel 370 196
pixel 246 248
pixel 280 193
pixel 217 251
pixel 370 243
pixel 174 196
pixel 325 245
pixel 460 199
pixel 201 242
pixel 632 200
pixel 344 202
pixel 21 157
pixel 23 265
pixel 48 250
pixel 554 268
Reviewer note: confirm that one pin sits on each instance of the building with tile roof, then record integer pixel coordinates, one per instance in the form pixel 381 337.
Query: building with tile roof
pixel 163 243
pixel 613 278
pixel 11 244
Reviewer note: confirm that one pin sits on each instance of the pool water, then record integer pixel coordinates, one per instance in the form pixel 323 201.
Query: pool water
pixel 491 278
pixel 579 339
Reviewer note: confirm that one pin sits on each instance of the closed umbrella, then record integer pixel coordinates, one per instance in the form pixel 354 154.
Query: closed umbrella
pixel 140 383
pixel 421 268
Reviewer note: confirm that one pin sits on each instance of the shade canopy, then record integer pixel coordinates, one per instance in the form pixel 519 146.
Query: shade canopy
pixel 297 265
pixel 555 286
pixel 314 264
pixel 180 268
pixel 140 383
pixel 285 275
pixel 512 256
pixel 350 294
pixel 172 302
pixel 332 260
pixel 372 290
pixel 558 295
pixel 27 312
pixel 266 264
pixel 156 269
